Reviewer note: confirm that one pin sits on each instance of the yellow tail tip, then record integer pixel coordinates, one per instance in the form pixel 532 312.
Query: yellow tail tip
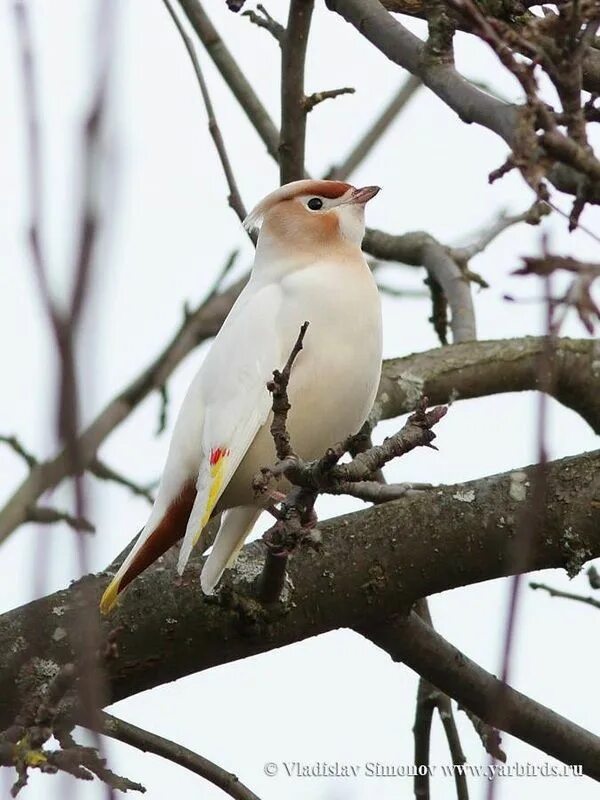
pixel 109 598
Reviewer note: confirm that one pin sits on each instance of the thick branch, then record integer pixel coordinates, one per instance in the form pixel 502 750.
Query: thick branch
pixel 413 642
pixel 472 369
pixel 372 564
pixel 421 248
pixel 293 107
pixel 477 369
pixel 408 51
pixel 471 104
pixel 511 13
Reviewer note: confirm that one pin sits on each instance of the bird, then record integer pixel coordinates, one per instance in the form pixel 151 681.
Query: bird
pixel 308 266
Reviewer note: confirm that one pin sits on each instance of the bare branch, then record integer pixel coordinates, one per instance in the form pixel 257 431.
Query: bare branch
pixel 152 743
pixel 293 108
pixel 24 745
pixel 416 644
pixel 16 446
pixel 281 406
pixel 472 369
pixel 375 492
pixel 532 216
pixel 234 199
pixel 442 545
pixel 48 516
pixel 470 103
pixel 407 50
pixel 489 736
pixel 318 97
pixel 164 407
pixel 440 264
pixel 264 20
pixel 590 601
pixel 233 75
pixel 105 473
pixel 429 698
pixel 421 248
pixel 370 138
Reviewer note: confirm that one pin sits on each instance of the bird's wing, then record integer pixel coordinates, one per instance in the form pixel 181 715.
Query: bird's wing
pixel 225 406
pixel 235 399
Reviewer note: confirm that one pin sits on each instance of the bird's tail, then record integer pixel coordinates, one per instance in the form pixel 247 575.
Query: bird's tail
pixel 235 527
pixel 162 530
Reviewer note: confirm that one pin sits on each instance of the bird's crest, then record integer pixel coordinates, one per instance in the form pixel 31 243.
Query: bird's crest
pixel 331 189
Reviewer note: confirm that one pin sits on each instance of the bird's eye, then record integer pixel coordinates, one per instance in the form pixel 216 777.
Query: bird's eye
pixel 315 203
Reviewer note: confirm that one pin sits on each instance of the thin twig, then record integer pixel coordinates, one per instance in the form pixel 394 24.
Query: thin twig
pixel 163 410
pixel 369 139
pixel 232 75
pixel 590 601
pixel 489 736
pixel 429 699
pixel 318 97
pixel 105 473
pixel 234 199
pixel 152 743
pixel 64 323
pixel 264 20
pixel 532 216
pixel 197 326
pixel 281 405
pixel 420 647
pixel 16 446
pixel 48 516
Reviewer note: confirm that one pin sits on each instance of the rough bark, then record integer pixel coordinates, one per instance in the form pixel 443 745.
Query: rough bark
pixel 472 369
pixel 478 369
pixel 391 555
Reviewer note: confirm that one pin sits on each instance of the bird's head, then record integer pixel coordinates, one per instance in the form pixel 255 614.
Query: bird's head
pixel 310 215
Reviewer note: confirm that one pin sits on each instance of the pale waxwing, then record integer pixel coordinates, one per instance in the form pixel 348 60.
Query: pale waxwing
pixel 308 266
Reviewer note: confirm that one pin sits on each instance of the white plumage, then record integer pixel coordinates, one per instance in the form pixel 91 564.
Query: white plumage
pixel 308 266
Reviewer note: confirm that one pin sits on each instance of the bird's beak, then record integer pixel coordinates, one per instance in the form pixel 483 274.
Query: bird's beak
pixel 362 196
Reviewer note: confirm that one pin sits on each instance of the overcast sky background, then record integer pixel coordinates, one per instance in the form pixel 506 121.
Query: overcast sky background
pixel 168 231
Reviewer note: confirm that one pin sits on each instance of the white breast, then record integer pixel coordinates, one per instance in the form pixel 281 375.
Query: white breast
pixel 335 377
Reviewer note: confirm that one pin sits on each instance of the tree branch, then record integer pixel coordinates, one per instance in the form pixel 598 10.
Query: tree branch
pixel 478 369
pixel 152 743
pixel 472 369
pixel 233 75
pixel 471 104
pixel 48 516
pixel 590 601
pixel 293 102
pixel 371 136
pixel 316 98
pixel 402 47
pixel 264 20
pixel 235 200
pixel 197 326
pixel 371 564
pixel 103 472
pixel 413 642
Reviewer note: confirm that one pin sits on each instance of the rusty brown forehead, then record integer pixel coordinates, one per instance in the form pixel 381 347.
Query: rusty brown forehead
pixel 329 189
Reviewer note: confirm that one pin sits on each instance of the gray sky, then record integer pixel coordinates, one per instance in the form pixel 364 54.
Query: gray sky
pixel 168 231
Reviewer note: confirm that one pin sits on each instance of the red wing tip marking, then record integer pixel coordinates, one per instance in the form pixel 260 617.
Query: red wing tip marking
pixel 217 453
